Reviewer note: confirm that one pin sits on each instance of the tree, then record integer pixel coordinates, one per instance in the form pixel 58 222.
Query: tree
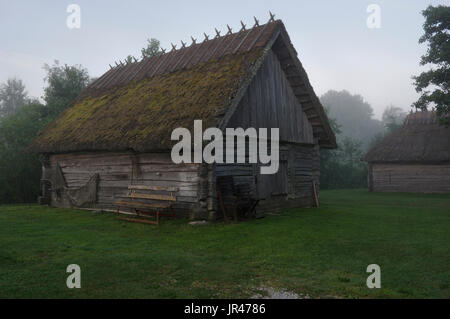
pixel 129 59
pixel 64 85
pixel 153 48
pixel 12 96
pixel 354 115
pixel 342 167
pixel 433 85
pixel 392 118
pixel 20 170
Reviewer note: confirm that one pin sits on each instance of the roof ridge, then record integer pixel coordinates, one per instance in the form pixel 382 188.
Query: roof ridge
pixel 421 117
pixel 185 57
pixel 194 41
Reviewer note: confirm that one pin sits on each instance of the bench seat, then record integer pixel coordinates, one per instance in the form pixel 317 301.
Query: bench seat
pixel 145 200
pixel 142 205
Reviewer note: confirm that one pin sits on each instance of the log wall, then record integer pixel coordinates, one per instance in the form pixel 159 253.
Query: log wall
pixel 421 178
pixel 119 170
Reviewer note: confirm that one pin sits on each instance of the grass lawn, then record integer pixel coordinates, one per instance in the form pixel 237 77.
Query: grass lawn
pixel 322 252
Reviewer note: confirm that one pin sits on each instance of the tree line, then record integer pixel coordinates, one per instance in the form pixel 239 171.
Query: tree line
pixel 356 129
pixel 23 117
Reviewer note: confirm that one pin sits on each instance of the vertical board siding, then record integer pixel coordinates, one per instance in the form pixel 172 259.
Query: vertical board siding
pixel 291 186
pixel 270 102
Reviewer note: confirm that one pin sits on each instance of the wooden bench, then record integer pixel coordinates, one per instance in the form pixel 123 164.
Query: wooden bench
pixel 147 201
pixel 235 198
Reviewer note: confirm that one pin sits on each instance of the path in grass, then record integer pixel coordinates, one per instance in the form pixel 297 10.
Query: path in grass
pixel 320 252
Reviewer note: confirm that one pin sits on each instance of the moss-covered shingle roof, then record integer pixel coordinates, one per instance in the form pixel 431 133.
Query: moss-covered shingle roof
pixel 137 106
pixel 142 114
pixel 420 140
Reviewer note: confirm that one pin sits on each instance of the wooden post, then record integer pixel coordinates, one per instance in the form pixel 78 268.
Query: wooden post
pixel 316 199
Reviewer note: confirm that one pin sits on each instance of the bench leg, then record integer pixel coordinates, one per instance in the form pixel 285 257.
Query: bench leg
pixel 155 213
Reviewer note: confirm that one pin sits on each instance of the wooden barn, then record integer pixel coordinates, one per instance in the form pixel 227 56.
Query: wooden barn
pixel 415 158
pixel 117 135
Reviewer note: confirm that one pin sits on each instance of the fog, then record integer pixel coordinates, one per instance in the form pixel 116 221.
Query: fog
pixel 337 48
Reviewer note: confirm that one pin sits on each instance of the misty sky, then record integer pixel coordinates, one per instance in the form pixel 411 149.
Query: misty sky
pixel 334 44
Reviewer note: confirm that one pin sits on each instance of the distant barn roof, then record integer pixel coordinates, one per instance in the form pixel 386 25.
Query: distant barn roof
pixel 137 105
pixel 421 139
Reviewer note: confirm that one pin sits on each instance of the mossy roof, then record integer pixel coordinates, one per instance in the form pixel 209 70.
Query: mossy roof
pixel 420 140
pixel 137 106
pixel 142 114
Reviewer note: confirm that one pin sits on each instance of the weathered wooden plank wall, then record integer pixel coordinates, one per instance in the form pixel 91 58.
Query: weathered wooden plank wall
pixel 411 178
pixel 291 186
pixel 270 102
pixel 119 170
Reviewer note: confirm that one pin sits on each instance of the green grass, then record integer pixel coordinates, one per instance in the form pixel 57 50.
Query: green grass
pixel 321 252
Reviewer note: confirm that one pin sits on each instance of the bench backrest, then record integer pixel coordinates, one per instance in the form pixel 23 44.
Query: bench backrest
pixel 152 192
